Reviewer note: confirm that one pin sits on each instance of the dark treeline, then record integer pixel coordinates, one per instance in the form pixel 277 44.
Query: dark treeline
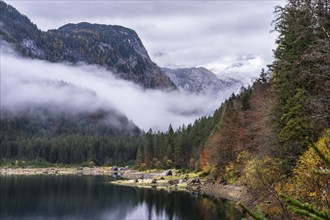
pixel 68 141
pixel 178 148
pixel 72 149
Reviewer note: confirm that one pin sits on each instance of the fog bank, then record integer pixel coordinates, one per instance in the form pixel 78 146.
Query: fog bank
pixel 71 89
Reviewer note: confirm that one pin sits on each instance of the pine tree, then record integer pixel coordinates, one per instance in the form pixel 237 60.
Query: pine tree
pixel 149 148
pixel 139 156
pixel 170 143
pixel 301 74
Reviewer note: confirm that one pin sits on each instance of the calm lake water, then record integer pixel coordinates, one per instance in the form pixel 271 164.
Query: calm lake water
pixel 88 197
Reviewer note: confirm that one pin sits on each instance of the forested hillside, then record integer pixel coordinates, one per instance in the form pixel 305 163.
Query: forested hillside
pixel 273 137
pixel 73 139
pixel 211 142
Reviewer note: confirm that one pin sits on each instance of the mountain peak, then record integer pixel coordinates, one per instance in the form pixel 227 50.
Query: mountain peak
pixel 115 33
pixel 116 48
pixel 200 80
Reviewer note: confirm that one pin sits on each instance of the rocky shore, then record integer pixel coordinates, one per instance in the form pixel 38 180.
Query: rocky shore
pixel 161 179
pixel 188 182
pixel 229 192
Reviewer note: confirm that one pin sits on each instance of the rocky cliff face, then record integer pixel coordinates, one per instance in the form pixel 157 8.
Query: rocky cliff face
pixel 200 80
pixel 116 48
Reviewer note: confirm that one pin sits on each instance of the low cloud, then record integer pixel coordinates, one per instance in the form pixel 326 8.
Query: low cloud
pixel 73 89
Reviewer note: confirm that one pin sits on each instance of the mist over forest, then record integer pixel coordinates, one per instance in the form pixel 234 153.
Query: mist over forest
pixel 70 89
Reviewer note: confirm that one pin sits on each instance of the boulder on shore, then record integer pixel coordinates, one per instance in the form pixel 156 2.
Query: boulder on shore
pixel 173 182
pixel 195 180
pixel 168 173
pixel 183 180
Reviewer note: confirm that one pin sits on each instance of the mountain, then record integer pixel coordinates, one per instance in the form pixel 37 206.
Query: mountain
pixel 200 80
pixel 245 68
pixel 113 47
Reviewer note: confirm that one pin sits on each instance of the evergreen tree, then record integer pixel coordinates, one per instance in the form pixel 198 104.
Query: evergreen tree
pixel 148 150
pixel 170 143
pixel 300 74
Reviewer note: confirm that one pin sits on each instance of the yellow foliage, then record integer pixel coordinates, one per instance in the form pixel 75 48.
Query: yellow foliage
pixel 207 169
pixel 243 156
pixel 232 173
pixel 262 173
pixel 233 170
pixel 229 167
pixel 305 183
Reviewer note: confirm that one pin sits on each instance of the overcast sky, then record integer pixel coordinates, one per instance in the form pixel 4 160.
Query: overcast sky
pixel 175 33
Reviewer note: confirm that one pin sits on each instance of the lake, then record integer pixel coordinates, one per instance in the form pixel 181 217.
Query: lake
pixel 93 197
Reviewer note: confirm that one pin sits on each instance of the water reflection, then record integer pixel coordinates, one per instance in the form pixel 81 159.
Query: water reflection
pixel 74 197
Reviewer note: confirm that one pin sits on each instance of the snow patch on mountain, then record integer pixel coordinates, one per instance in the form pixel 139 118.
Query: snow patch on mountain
pixel 30 45
pixel 245 68
pixel 200 80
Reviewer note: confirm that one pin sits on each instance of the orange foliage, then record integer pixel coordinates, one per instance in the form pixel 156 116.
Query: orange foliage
pixel 204 158
pixel 238 130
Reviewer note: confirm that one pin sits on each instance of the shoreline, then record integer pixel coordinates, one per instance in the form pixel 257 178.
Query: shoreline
pixel 189 182
pixel 29 171
pixel 203 186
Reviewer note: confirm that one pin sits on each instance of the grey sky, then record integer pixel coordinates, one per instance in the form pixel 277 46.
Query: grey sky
pixel 175 33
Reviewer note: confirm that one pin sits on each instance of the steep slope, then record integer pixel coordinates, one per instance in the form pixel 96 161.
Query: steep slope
pixel 116 48
pixel 200 80
pixel 16 27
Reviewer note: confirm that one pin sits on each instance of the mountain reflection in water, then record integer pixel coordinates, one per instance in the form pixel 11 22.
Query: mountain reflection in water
pixel 88 197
